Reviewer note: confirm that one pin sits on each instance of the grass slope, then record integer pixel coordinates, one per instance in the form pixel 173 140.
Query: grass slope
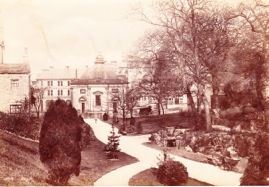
pixel 20 164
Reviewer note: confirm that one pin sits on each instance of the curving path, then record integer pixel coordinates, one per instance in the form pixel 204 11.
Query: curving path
pixel 148 157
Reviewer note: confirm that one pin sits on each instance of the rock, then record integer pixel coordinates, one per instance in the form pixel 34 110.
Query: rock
pixel 170 130
pixel 180 131
pixel 237 128
pixel 241 165
pixel 188 148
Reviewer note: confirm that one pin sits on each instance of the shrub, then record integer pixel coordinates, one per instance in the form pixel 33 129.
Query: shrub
pixel 139 128
pixel 132 121
pixel 172 173
pixel 21 125
pixel 105 116
pixel 113 145
pixel 87 135
pixel 257 170
pixel 60 142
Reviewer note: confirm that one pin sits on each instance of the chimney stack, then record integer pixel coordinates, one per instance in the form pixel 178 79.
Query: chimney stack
pixel 2 45
pixel 25 56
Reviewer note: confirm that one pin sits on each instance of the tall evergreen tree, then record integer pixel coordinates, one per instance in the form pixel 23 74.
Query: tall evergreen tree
pixel 60 142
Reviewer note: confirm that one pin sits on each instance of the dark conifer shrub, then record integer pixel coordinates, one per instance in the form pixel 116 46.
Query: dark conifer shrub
pixel 60 142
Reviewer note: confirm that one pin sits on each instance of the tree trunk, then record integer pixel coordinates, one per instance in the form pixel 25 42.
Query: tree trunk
pixel 207 113
pixel 123 116
pixel 162 108
pixel 195 117
pixel 215 97
pixel 190 100
pixel 159 107
pixel 37 111
pixel 265 87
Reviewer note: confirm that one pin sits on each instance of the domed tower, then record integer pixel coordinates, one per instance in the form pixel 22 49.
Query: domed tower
pixel 99 59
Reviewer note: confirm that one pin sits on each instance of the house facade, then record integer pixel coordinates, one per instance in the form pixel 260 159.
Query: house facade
pixel 14 86
pixel 92 93
pixel 56 84
pixel 88 89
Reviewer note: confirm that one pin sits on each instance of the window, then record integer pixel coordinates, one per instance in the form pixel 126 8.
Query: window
pixel 50 83
pixel 68 92
pixel 60 83
pixel 50 92
pixel 14 109
pixel 68 83
pixel 41 83
pixel 60 92
pixel 82 91
pixel 14 83
pixel 98 100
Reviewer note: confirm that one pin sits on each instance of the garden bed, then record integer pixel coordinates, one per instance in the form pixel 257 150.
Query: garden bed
pixel 148 178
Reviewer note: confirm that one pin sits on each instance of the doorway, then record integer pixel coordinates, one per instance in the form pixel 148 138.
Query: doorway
pixel 83 107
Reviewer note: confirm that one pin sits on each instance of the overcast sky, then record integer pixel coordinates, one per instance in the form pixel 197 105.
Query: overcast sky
pixel 68 32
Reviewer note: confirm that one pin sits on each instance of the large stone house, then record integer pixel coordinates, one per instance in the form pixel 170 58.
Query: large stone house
pixel 14 86
pixel 93 92
pixel 88 89
pixel 56 84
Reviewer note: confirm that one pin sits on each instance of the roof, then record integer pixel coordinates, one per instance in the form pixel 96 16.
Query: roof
pixel 101 71
pixel 60 73
pixel 22 68
pixel 99 81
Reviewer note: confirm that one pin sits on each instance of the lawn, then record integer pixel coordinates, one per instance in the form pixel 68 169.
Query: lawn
pixel 20 164
pixel 148 178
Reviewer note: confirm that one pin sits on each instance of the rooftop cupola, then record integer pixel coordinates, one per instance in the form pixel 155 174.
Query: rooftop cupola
pixel 99 59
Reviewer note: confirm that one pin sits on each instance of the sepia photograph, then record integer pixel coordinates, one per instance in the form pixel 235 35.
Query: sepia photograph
pixel 134 92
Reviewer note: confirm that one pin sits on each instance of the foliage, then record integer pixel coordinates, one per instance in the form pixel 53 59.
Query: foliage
pixel 60 142
pixel 87 135
pixel 257 170
pixel 139 128
pixel 172 173
pixel 21 125
pixel 132 121
pixel 113 145
pixel 105 116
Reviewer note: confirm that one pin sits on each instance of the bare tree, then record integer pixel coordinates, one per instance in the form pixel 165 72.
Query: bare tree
pixel 255 15
pixel 120 97
pixel 160 78
pixel 132 97
pixel 36 98
pixel 198 32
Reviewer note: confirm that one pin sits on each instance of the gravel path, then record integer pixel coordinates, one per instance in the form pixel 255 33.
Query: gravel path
pixel 148 157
